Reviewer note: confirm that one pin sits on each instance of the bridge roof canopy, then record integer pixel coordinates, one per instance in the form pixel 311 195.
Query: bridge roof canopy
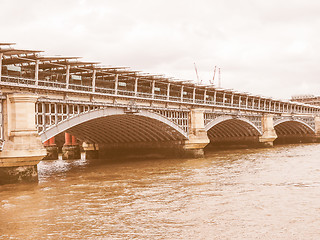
pixel 57 65
pixel 6 44
pixel 30 60
pixel 10 52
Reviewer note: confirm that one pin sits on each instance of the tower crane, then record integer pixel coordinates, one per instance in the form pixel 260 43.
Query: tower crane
pixel 219 78
pixel 198 80
pixel 214 74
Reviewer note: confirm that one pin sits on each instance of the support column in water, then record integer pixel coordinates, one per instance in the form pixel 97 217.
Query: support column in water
pixel 268 132
pixel 70 149
pixel 91 150
pixel 52 149
pixel 317 128
pixel 198 137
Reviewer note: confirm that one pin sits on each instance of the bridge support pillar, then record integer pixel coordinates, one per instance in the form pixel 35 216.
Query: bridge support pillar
pixel 70 149
pixel 317 128
pixel 91 150
pixel 23 148
pixel 268 132
pixel 198 137
pixel 52 149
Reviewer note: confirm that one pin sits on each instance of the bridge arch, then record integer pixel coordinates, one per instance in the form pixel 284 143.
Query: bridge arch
pixel 115 125
pixel 229 128
pixel 286 127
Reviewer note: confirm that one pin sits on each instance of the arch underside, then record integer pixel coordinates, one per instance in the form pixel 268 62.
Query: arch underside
pixel 124 129
pixel 293 129
pixel 233 130
pixel 115 126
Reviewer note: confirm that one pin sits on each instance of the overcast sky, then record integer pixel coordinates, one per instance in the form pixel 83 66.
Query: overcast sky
pixel 267 47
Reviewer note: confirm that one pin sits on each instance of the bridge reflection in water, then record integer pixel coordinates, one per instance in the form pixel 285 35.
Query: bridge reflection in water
pixel 49 103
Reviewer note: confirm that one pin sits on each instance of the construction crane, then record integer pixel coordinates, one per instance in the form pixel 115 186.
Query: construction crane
pixel 198 80
pixel 214 74
pixel 219 78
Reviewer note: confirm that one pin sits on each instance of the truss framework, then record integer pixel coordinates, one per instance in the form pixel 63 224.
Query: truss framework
pixel 51 112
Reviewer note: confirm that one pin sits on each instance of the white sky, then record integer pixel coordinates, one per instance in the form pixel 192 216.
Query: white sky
pixel 267 47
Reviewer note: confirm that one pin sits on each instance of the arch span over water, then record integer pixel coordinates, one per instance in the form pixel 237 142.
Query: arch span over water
pixel 112 125
pixel 292 127
pixel 229 127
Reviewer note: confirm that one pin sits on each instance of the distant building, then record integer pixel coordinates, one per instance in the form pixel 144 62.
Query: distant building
pixel 308 99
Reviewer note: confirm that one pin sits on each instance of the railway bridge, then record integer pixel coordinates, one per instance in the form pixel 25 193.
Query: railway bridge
pixel 52 100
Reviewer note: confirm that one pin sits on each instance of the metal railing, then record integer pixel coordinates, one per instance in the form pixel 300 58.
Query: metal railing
pixel 18 80
pixel 54 85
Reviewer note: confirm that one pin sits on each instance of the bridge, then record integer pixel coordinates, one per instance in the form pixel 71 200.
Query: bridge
pixel 48 101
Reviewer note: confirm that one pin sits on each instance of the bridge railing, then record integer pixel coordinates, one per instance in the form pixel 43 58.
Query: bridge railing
pixel 199 101
pixel 188 99
pixel 144 95
pixel 104 90
pixel 174 99
pixel 51 84
pixel 126 93
pixel 162 97
pixel 18 80
pixel 80 87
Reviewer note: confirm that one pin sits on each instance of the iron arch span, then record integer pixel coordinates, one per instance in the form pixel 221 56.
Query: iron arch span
pixel 230 129
pixel 114 125
pixel 289 130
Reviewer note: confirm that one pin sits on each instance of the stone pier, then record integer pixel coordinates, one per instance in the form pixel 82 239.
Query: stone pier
pixel 198 138
pixel 317 129
pixel 91 150
pixel 23 148
pixel 268 132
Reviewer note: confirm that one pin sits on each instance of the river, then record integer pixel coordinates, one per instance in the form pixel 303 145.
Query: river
pixel 230 194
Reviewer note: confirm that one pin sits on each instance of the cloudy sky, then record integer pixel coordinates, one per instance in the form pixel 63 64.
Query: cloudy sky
pixel 264 47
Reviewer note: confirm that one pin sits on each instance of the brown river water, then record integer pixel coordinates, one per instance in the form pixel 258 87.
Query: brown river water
pixel 231 194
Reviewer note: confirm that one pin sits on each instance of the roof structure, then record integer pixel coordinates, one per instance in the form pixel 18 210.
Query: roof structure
pixel 6 44
pixel 54 66
pixel 58 64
